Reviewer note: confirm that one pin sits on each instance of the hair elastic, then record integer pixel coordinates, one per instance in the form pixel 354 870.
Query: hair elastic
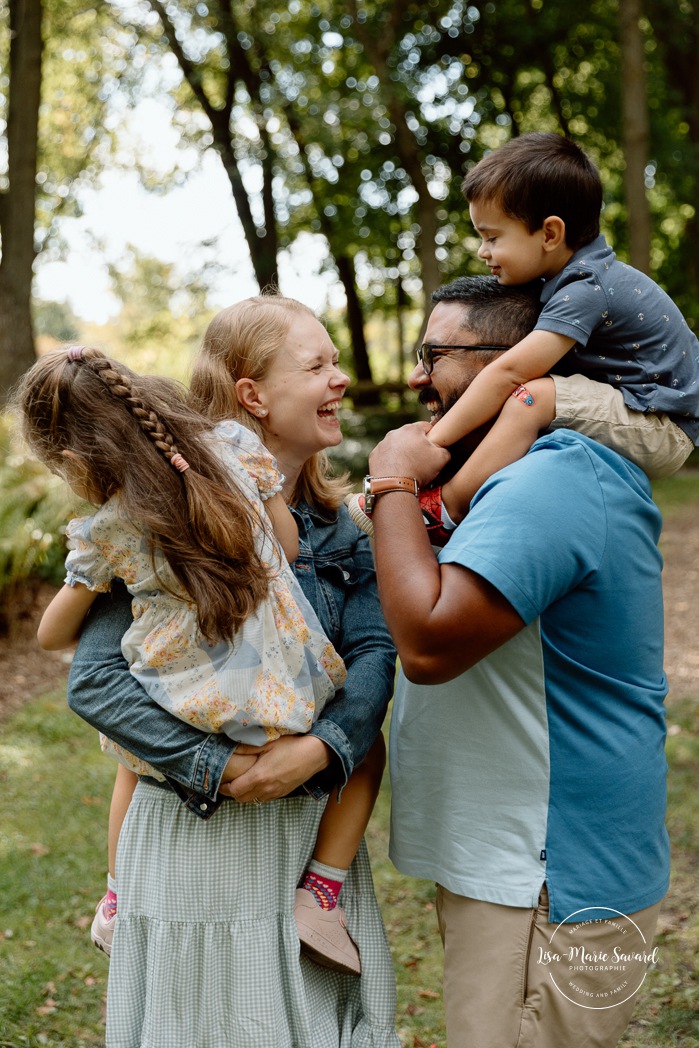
pixel 179 462
pixel 75 352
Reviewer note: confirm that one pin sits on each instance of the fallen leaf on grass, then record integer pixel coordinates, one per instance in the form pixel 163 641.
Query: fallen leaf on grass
pixel 48 1007
pixel 431 995
pixel 39 849
pixel 91 802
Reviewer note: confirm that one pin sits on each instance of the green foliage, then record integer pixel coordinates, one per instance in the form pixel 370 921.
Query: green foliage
pixel 163 317
pixel 673 493
pixel 55 319
pixel 34 510
pixel 84 61
pixel 331 100
pixel 52 858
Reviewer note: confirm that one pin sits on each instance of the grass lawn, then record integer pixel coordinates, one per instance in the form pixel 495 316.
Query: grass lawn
pixel 54 794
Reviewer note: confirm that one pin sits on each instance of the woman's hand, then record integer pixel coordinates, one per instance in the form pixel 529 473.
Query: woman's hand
pixel 239 763
pixel 278 769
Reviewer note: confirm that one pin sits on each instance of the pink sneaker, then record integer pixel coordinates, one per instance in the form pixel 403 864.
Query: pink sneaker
pixel 324 936
pixel 102 930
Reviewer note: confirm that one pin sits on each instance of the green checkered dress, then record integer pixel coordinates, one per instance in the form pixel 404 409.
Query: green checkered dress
pixel 206 953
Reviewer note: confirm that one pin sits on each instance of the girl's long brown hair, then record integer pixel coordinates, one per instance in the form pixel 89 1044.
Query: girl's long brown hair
pixel 125 430
pixel 242 341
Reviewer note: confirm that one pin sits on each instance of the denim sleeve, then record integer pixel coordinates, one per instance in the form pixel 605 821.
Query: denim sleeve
pixel 350 723
pixel 103 692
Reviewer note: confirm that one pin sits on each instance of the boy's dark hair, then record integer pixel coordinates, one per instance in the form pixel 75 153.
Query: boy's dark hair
pixel 497 314
pixel 537 175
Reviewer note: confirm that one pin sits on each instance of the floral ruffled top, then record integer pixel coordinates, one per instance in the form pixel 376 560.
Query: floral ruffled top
pixel 276 674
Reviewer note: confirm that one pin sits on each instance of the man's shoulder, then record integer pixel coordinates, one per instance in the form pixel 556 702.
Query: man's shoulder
pixel 566 465
pixel 563 445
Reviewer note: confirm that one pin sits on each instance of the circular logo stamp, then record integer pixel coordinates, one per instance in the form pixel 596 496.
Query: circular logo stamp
pixel 597 958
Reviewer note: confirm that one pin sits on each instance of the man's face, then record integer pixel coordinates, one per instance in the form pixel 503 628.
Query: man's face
pixel 454 370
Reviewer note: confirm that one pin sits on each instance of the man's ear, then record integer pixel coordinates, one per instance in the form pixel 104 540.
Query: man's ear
pixel 249 397
pixel 554 229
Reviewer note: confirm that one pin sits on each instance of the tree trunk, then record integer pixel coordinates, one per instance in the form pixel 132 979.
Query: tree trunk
pixel 355 323
pixel 635 132
pixel 377 48
pixel 17 205
pixel 262 241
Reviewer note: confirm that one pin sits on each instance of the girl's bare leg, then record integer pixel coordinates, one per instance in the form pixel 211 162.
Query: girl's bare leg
pixel 320 921
pixel 343 824
pixel 124 785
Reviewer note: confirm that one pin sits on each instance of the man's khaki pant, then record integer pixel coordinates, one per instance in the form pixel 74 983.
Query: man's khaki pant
pixel 498 994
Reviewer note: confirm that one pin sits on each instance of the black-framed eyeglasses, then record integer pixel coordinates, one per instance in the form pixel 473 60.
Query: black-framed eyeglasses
pixel 427 353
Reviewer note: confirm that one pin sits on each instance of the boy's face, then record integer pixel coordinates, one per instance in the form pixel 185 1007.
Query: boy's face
pixel 515 255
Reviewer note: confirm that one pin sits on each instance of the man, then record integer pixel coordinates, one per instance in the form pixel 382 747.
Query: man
pixel 526 751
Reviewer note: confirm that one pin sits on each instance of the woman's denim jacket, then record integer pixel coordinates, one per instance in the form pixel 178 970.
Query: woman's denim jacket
pixel 336 570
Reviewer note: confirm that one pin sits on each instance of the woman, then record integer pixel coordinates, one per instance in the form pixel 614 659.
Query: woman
pixel 206 953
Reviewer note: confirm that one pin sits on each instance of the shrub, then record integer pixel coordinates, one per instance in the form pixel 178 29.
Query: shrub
pixel 34 510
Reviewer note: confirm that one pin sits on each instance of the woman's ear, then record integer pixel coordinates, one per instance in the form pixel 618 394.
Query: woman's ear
pixel 248 393
pixel 554 233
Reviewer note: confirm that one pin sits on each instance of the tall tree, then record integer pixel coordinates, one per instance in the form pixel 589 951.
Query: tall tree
pixel 56 137
pixel 17 199
pixel 635 131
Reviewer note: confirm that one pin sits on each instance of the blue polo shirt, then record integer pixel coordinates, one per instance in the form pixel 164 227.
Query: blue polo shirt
pixel 545 761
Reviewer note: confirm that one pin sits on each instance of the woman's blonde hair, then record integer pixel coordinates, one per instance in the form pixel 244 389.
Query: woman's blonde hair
pixel 135 437
pixel 243 341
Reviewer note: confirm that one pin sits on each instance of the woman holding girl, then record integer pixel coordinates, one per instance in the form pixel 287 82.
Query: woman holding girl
pixel 206 950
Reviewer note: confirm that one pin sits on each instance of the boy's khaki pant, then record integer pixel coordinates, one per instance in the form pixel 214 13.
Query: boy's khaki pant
pixel 496 995
pixel 653 442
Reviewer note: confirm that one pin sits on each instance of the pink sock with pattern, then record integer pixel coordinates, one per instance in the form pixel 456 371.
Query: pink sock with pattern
pixel 324 884
pixel 110 905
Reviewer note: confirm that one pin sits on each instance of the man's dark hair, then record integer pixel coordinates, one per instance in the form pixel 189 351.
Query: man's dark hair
pixel 497 314
pixel 534 176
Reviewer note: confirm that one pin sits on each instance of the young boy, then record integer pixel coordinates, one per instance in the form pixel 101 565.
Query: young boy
pixel 632 363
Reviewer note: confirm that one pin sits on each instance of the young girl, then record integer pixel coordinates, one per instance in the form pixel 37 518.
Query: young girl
pixel 222 636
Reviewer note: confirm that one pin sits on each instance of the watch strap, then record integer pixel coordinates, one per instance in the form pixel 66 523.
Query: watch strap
pixel 375 486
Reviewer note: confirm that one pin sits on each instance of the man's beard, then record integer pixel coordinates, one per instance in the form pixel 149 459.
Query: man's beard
pixel 432 398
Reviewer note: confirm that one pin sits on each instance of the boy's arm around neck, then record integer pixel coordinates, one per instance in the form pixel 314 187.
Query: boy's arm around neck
pixel 531 358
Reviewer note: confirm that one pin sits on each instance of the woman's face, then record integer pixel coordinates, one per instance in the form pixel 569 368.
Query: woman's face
pixel 302 392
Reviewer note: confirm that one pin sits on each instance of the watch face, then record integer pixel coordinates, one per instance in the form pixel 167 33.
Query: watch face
pixel 369 498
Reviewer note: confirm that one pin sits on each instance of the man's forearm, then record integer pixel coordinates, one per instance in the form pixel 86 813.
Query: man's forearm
pixel 443 618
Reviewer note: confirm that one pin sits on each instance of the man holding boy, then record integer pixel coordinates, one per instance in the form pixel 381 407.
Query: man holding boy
pixel 527 736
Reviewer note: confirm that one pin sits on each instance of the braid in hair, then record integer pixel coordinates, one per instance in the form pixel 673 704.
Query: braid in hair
pixel 198 519
pixel 120 386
